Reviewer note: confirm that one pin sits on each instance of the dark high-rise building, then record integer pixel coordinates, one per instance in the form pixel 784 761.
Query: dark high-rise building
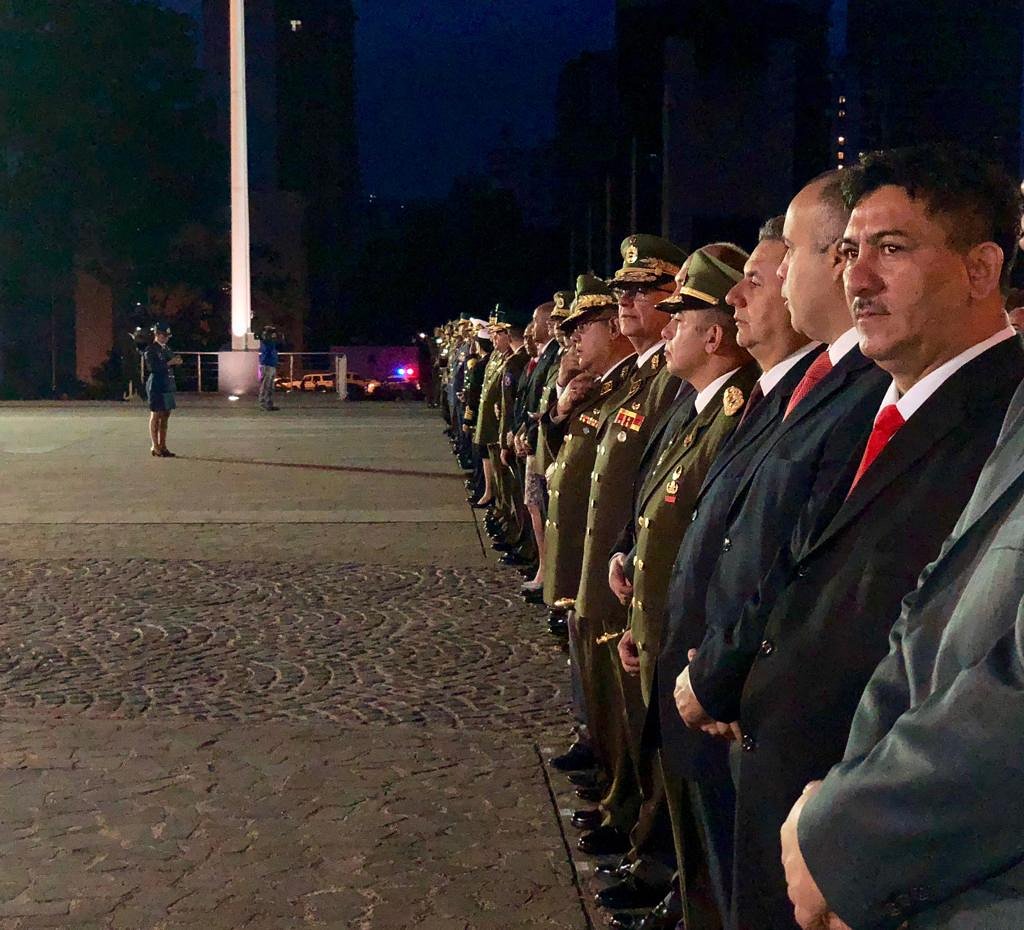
pixel 941 70
pixel 303 156
pixel 724 112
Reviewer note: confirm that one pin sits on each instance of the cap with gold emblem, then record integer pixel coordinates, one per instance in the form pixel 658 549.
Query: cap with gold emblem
pixel 647 260
pixel 593 297
pixel 562 301
pixel 499 319
pixel 706 277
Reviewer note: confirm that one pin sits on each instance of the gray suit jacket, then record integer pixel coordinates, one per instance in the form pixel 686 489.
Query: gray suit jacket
pixel 923 821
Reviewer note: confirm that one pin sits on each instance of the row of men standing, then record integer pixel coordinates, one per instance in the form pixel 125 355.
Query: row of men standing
pixel 749 461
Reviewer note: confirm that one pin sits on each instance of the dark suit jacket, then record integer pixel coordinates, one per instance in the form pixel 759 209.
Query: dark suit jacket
pixel 790 484
pixel 534 391
pixel 922 819
pixel 812 650
pixel 699 551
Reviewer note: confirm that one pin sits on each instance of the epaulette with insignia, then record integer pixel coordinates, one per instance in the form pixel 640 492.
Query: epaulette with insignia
pixel 606 388
pixel 732 401
pixel 655 361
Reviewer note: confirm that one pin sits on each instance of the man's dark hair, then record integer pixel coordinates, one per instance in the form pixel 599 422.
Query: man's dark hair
pixel 771 229
pixel 981 201
pixel 515 331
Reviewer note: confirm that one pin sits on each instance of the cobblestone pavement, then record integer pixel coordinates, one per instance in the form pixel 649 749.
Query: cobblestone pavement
pixel 238 641
pixel 227 746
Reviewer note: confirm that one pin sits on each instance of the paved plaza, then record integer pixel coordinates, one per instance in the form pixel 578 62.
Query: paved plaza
pixel 275 682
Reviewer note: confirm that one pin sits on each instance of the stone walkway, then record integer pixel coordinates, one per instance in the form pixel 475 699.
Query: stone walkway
pixel 219 742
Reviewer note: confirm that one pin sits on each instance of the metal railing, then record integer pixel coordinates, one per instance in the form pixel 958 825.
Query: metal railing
pixel 198 371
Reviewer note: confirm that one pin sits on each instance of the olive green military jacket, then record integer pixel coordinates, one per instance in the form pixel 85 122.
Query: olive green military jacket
pixel 569 489
pixel 511 372
pixel 627 422
pixel 490 393
pixel 664 509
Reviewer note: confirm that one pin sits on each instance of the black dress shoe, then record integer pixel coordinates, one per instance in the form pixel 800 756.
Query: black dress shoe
pixel 629 895
pixel 584 779
pixel 665 916
pixel 534 597
pixel 604 841
pixel 512 559
pixel 587 819
pixel 558 626
pixel 528 571
pixel 575 759
pixel 591 794
pixel 617 870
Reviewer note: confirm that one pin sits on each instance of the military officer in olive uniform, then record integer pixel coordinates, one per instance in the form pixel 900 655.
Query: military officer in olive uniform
pixel 606 357
pixel 485 436
pixel 646 278
pixel 701 349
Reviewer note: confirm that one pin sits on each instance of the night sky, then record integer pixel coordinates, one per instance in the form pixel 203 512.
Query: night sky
pixel 438 81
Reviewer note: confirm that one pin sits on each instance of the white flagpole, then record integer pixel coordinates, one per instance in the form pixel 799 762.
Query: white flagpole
pixel 241 294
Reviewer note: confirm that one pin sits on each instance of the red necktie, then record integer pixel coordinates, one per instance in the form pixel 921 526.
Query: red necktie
pixel 820 367
pixel 756 396
pixel 887 424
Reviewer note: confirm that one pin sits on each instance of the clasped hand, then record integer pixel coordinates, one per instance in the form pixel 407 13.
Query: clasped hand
pixel 692 711
pixel 810 909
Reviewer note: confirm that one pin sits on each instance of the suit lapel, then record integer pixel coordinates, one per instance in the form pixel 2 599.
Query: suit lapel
pixel 761 420
pixel 927 427
pixel 948 409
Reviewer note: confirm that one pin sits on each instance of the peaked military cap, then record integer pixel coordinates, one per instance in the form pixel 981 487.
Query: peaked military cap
pixel 592 297
pixel 499 319
pixel 647 260
pixel 706 277
pixel 563 304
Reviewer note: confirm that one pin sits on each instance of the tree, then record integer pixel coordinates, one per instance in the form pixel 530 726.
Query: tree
pixel 107 158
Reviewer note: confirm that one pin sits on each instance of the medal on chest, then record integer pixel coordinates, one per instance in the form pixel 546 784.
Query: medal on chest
pixel 672 488
pixel 630 419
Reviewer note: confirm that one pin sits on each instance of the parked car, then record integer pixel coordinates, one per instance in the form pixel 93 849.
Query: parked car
pixel 399 387
pixel 319 381
pixel 284 383
pixel 359 387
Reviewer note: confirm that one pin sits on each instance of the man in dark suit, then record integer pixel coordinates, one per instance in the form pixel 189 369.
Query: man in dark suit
pixel 920 826
pixel 787 480
pixel 764 329
pixel 806 652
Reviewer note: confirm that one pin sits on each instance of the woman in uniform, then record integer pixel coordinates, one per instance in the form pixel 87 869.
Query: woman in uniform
pixel 160 388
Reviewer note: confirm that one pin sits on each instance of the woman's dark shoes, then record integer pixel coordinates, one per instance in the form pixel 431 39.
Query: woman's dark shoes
pixel 167 454
pixel 155 453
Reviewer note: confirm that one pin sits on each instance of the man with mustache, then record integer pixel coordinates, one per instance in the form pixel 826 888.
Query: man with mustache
pixel 929 311
pixel 919 825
